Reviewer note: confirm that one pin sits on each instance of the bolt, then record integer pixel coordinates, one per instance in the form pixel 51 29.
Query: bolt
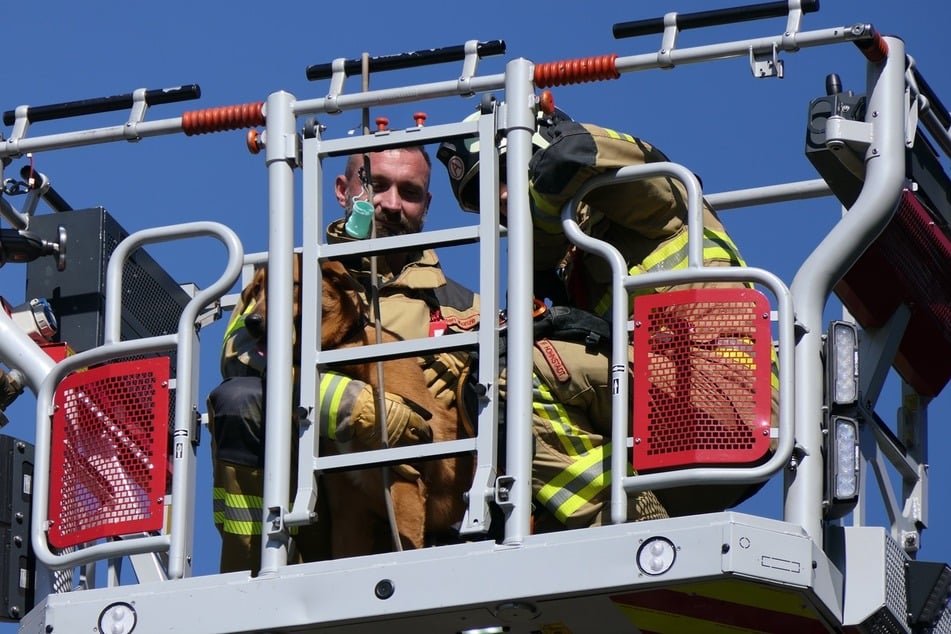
pixel 384 589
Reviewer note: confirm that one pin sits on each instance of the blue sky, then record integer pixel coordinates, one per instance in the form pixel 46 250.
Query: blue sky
pixel 732 130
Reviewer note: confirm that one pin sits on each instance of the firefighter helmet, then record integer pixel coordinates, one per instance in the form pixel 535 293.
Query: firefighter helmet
pixel 461 158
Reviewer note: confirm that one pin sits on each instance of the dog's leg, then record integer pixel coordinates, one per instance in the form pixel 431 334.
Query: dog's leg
pixel 409 505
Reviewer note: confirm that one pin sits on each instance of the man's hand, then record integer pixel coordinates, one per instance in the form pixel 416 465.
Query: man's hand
pixel 406 422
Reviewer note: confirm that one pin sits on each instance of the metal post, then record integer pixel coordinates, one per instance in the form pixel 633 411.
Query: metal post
pixel 281 157
pixel 885 167
pixel 520 125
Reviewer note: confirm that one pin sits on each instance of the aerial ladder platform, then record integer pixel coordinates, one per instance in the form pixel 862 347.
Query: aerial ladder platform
pixel 100 513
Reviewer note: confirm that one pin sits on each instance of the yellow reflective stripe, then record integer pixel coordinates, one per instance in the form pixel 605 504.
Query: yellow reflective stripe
pixel 242 514
pixel 545 216
pixel 577 484
pixel 619 135
pixel 672 256
pixel 236 323
pixel 588 474
pixel 332 389
pixel 218 505
pixel 544 406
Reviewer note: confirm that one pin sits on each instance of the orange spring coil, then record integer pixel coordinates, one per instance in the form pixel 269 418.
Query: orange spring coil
pixel 576 71
pixel 875 49
pixel 223 118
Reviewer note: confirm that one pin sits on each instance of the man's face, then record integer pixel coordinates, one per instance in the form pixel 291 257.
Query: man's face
pixel 401 196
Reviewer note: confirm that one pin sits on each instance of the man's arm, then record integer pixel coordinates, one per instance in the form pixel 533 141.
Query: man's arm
pixel 348 411
pixel 653 207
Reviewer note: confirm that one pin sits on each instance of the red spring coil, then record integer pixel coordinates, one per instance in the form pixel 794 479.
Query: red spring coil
pixel 223 118
pixel 576 71
pixel 875 48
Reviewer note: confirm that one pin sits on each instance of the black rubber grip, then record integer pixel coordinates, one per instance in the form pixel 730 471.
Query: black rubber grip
pixel 714 17
pixel 407 60
pixel 104 104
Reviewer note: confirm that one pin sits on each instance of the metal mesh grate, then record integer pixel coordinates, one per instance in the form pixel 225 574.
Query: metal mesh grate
pixel 701 378
pixel 109 448
pixel 892 618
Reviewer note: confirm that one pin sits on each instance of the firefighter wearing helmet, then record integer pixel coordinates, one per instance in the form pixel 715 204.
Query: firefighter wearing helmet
pixel 646 221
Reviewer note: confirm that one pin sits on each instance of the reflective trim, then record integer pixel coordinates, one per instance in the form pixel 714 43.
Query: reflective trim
pixel 218 506
pixel 236 324
pixel 588 474
pixel 239 514
pixel 544 406
pixel 577 484
pixel 672 256
pixel 333 386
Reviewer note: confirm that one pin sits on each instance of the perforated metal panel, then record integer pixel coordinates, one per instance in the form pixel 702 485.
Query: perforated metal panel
pixel 109 452
pixel 701 378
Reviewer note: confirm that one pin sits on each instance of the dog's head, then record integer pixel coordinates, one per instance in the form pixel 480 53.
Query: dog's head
pixel 256 293
pixel 344 311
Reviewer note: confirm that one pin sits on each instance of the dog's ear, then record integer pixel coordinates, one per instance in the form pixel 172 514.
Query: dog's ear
pixel 342 304
pixel 256 288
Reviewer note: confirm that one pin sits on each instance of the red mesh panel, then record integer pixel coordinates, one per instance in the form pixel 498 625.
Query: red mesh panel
pixel 109 445
pixel 908 264
pixel 702 367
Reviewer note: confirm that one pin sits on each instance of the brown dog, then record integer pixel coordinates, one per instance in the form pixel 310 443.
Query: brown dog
pixel 424 506
pixel 429 504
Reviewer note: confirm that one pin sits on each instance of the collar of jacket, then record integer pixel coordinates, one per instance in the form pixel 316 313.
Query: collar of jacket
pixel 422 271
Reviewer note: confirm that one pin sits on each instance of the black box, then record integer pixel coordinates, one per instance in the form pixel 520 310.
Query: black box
pixel 152 302
pixel 18 564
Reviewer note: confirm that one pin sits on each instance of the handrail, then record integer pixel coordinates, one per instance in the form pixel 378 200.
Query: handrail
pixel 622 283
pixel 184 342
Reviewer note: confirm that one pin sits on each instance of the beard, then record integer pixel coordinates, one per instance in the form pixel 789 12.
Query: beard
pixel 403 226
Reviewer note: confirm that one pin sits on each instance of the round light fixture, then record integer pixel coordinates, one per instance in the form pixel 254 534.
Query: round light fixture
pixel 656 556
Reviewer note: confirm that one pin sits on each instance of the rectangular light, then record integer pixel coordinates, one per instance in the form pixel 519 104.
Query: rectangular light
pixel 845 458
pixel 843 363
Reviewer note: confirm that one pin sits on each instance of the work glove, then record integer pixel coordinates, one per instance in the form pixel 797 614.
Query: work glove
pixel 406 422
pixel 442 372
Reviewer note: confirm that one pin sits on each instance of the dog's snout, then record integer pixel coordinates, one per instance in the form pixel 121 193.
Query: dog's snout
pixel 255 325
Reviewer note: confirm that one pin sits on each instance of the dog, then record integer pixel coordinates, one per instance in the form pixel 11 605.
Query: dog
pixel 424 506
pixel 427 498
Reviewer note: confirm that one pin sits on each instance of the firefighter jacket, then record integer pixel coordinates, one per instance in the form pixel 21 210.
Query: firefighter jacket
pixel 571 425
pixel 646 221
pixel 418 302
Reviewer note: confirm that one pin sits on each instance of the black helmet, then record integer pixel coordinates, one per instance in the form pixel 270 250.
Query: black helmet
pixel 461 158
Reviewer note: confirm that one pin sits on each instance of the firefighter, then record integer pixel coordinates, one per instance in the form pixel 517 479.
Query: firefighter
pixel 645 220
pixel 416 300
pixel 571 424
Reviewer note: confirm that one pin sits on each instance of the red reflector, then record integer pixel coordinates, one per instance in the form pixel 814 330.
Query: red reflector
pixel 109 445
pixel 702 366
